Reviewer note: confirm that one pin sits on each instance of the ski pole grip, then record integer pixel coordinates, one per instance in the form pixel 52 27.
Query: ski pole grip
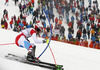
pixel 47 41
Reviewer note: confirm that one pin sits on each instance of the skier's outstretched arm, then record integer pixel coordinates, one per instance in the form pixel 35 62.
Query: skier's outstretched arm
pixel 36 39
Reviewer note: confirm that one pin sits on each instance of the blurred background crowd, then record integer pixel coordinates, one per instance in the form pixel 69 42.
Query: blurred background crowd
pixel 73 21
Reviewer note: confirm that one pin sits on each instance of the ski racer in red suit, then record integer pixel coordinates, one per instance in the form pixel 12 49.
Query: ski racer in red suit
pixel 22 41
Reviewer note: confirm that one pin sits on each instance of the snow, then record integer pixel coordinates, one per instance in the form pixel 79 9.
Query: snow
pixel 72 57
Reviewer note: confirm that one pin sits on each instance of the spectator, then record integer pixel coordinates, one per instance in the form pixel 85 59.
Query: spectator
pixel 78 36
pixel 81 42
pixel 15 2
pixel 60 22
pixel 88 30
pixel 28 25
pixel 84 31
pixel 5 14
pixel 24 22
pixel 5 25
pixel 85 43
pixel 2 23
pixel 62 31
pixel 20 7
pixel 32 2
pixel 6 2
pixel 11 22
pixel 70 36
pixel 91 44
pixel 92 31
pixel 93 37
pixel 56 20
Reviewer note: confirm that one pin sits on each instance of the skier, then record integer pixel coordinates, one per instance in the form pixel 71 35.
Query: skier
pixel 22 41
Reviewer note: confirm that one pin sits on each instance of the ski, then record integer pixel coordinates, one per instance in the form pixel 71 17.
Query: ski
pixel 38 63
pixel 58 66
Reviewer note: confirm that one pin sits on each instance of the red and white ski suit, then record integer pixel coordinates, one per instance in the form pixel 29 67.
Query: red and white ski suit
pixel 21 38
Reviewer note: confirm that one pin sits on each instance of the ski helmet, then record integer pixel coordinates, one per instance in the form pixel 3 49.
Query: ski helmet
pixel 37 27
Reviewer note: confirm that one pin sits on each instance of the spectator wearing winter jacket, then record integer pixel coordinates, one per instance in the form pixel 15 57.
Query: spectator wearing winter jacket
pixel 81 42
pixel 32 2
pixel 73 9
pixel 93 38
pixel 5 14
pixel 56 20
pixel 28 25
pixel 97 45
pixel 98 19
pixel 72 19
pixel 15 2
pixel 98 25
pixel 18 20
pixel 44 26
pixel 21 16
pixel 11 22
pixel 92 18
pixel 70 24
pixel 35 13
pixel 84 31
pixel 85 36
pixel 20 6
pixel 6 2
pixel 53 17
pixel 48 29
pixel 91 44
pixel 15 18
pixel 44 18
pixel 99 31
pixel 70 36
pixel 92 31
pixel 77 14
pixel 78 23
pixel 67 18
pixel 60 22
pixel 5 24
pixel 62 31
pixel 24 22
pixel 85 43
pixel 21 26
pixel 88 33
pixel 78 36
pixel 2 23
pixel 88 30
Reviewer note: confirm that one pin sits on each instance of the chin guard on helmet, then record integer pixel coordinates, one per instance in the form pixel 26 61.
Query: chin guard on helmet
pixel 37 28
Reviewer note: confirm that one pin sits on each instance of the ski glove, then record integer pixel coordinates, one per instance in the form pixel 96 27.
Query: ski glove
pixel 46 41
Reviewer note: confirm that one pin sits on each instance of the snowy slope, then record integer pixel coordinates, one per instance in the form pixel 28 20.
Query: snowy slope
pixel 71 56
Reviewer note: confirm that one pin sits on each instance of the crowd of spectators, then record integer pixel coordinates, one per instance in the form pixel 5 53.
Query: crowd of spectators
pixel 75 12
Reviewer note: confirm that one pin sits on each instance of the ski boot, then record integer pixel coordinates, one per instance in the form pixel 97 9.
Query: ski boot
pixel 31 55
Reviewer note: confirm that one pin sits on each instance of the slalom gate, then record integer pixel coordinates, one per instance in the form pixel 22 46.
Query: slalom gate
pixel 7 44
pixel 49 40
